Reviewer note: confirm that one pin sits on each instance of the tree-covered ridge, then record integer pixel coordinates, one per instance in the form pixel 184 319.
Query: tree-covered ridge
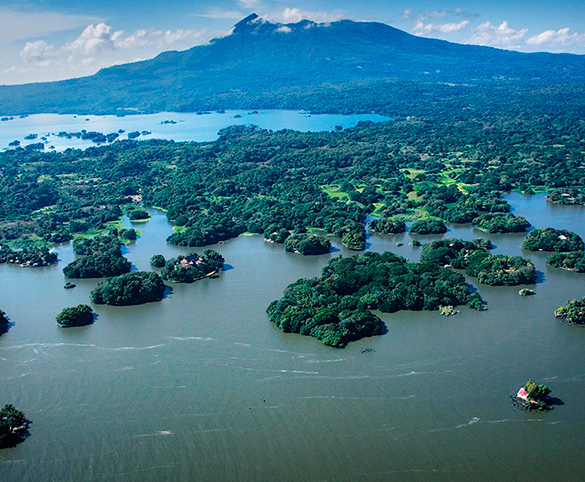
pixel 501 223
pixel 132 288
pixel 193 267
pixel 102 258
pixel 573 312
pixel 550 239
pixel 13 426
pixel 348 67
pixel 571 261
pixel 79 315
pixel 335 307
pixel 307 244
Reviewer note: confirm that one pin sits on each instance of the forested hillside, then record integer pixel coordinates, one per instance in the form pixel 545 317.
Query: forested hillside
pixel 343 66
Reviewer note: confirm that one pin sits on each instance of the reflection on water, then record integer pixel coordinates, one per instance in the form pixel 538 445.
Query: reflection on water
pixel 202 387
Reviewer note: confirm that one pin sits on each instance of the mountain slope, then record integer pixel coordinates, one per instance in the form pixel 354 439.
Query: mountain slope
pixel 289 66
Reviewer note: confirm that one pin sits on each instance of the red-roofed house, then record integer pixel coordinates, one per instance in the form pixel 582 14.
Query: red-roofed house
pixel 522 394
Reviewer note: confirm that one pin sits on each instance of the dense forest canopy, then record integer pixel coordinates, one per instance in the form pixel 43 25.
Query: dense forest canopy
pixel 573 311
pixel 550 239
pixel 193 267
pixel 102 257
pixel 132 288
pixel 3 322
pixel 335 307
pixel 79 315
pixel 13 426
pixel 252 179
pixel 571 261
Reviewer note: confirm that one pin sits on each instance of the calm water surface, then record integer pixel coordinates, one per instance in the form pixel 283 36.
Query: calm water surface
pixel 187 126
pixel 202 387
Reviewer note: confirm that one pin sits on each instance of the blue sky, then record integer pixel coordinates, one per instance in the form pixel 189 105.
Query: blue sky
pixel 44 40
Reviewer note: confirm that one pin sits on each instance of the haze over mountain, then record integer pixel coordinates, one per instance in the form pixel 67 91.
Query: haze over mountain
pixel 266 65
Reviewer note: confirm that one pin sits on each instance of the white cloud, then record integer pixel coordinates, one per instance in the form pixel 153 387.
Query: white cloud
pixel 216 13
pixel 171 37
pixel 555 39
pixel 38 52
pixel 249 3
pixel 445 28
pixel 295 15
pixel 284 29
pixel 498 36
pixel 98 39
pixel 95 39
pixel 454 21
pixel 138 39
pixel 224 33
pixel 435 14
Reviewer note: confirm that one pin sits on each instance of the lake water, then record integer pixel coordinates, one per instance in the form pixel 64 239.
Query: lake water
pixel 201 386
pixel 186 126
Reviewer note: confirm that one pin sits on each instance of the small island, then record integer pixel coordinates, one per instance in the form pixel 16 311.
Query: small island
pixel 428 226
pixel 569 197
pixel 138 214
pixel 80 315
pixel 550 239
pixel 102 257
pixel 354 239
pixel 157 261
pixel 13 426
pixel 453 252
pixel 501 223
pixel 387 226
pixel 571 261
pixel 533 396
pixel 276 234
pixel 127 235
pixel 193 267
pixel 307 244
pixel 132 288
pixel 3 322
pixel 473 256
pixel 501 270
pixel 203 232
pixel 573 312
pixel 335 307
pixel 28 257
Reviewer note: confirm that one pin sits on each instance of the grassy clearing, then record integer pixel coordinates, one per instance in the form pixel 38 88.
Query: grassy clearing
pixel 134 221
pixel 333 190
pixel 413 196
pixel 378 209
pixel 412 173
